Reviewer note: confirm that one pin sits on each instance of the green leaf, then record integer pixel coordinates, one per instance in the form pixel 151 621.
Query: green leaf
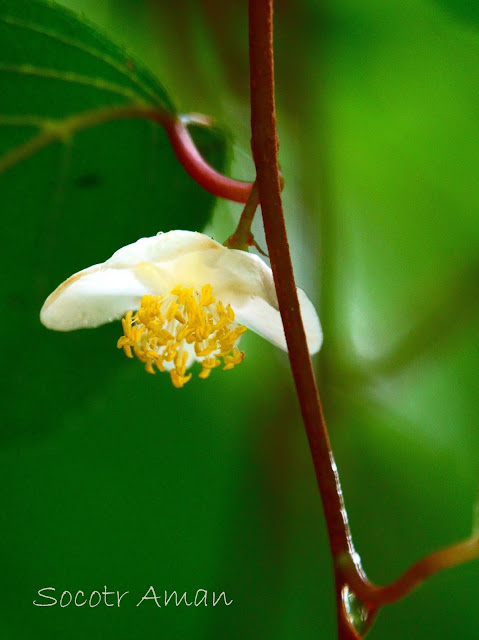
pixel 77 182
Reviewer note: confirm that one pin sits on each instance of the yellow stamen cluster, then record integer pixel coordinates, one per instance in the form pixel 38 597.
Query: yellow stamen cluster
pixel 168 331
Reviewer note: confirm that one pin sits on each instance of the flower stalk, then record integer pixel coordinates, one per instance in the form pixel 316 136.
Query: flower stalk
pixel 242 238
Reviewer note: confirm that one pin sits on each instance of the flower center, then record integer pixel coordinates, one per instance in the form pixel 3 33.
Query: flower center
pixel 170 332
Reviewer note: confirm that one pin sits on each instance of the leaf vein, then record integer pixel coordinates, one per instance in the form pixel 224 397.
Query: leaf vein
pixel 81 47
pixel 63 129
pixel 72 77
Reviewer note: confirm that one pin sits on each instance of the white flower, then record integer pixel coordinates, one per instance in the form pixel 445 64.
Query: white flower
pixel 162 288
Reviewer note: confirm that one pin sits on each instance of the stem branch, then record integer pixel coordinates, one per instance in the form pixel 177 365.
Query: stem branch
pixel 447 558
pixel 200 170
pixel 242 238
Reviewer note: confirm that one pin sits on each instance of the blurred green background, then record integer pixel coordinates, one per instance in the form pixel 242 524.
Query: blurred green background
pixel 112 477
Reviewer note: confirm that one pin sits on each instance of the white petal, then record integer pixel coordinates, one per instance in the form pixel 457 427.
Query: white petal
pixel 312 326
pixel 104 292
pixel 156 265
pixel 91 298
pixel 163 247
pixel 193 259
pixel 234 275
pixel 265 320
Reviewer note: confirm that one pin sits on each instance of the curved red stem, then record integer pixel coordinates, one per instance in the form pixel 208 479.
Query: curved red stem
pixel 197 167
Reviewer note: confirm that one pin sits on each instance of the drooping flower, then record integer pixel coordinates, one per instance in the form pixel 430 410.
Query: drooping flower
pixel 182 297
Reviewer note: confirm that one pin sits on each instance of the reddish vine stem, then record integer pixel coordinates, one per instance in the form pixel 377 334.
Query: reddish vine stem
pixel 347 568
pixel 194 164
pixel 265 154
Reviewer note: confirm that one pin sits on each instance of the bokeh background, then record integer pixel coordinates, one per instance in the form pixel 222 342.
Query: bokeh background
pixel 111 477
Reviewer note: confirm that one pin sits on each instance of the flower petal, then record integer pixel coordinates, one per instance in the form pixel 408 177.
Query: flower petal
pixel 91 298
pixel 265 320
pixel 234 275
pixel 155 265
pixel 164 247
